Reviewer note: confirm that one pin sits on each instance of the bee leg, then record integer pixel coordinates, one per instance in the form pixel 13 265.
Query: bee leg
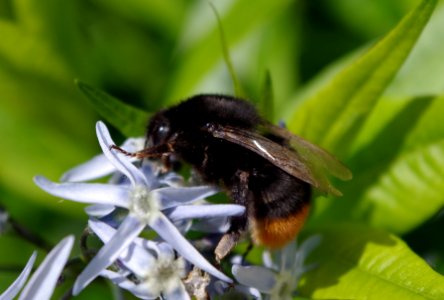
pixel 247 251
pixel 239 194
pixel 166 163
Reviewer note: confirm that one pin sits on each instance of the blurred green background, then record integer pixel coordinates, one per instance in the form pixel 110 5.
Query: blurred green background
pixel 151 53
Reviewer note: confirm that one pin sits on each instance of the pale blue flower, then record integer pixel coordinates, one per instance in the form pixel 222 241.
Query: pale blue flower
pixel 99 166
pixel 279 277
pixel 157 272
pixel 156 208
pixel 43 281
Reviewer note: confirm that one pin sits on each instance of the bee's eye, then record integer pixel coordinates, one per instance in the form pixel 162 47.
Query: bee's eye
pixel 162 133
pixel 163 129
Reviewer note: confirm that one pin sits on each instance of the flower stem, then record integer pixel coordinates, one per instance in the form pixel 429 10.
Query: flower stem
pixel 27 235
pixel 87 254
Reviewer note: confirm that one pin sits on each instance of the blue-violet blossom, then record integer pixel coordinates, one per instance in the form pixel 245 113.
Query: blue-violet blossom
pixel 148 202
pixel 278 278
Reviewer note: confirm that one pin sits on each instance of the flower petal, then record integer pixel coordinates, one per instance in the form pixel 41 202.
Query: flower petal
pixel 135 257
pixel 105 232
pixel 99 210
pixel 304 250
pixel 267 260
pixel 172 179
pixel 171 235
pixel 126 284
pixel 127 232
pixel 205 211
pixel 17 285
pixel 43 281
pixel 99 166
pixel 93 193
pixel 174 196
pixel 254 276
pixel 121 163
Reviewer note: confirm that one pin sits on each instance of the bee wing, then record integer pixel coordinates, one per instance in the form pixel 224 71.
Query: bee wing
pixel 311 154
pixel 304 160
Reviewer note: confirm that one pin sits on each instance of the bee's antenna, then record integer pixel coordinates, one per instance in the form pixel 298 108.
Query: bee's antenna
pixel 156 151
pixel 132 154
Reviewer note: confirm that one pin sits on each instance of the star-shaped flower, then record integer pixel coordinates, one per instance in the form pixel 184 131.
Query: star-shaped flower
pixel 147 205
pixel 156 271
pixel 279 278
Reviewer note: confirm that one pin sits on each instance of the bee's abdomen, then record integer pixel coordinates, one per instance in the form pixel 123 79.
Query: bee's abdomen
pixel 279 209
pixel 277 232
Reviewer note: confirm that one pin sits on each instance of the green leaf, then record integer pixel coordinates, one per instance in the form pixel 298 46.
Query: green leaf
pixel 422 72
pixel 333 117
pixel 410 192
pixel 372 161
pixel 357 262
pixel 130 120
pixel 430 127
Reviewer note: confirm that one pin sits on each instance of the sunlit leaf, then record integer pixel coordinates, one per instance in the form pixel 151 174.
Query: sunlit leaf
pixel 389 190
pixel 422 72
pixel 410 192
pixel 356 262
pixel 333 117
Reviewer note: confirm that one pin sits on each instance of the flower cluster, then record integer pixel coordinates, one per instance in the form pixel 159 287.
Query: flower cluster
pixel 140 199
pixel 147 200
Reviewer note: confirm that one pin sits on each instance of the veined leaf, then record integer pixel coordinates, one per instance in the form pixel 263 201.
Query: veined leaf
pixel 333 117
pixel 130 120
pixel 410 192
pixel 357 262
pixel 373 162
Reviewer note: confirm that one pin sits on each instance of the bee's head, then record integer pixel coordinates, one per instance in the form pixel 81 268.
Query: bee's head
pixel 159 130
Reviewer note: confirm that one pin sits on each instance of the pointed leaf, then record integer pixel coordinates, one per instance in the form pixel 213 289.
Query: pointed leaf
pixel 267 97
pixel 130 120
pixel 335 114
